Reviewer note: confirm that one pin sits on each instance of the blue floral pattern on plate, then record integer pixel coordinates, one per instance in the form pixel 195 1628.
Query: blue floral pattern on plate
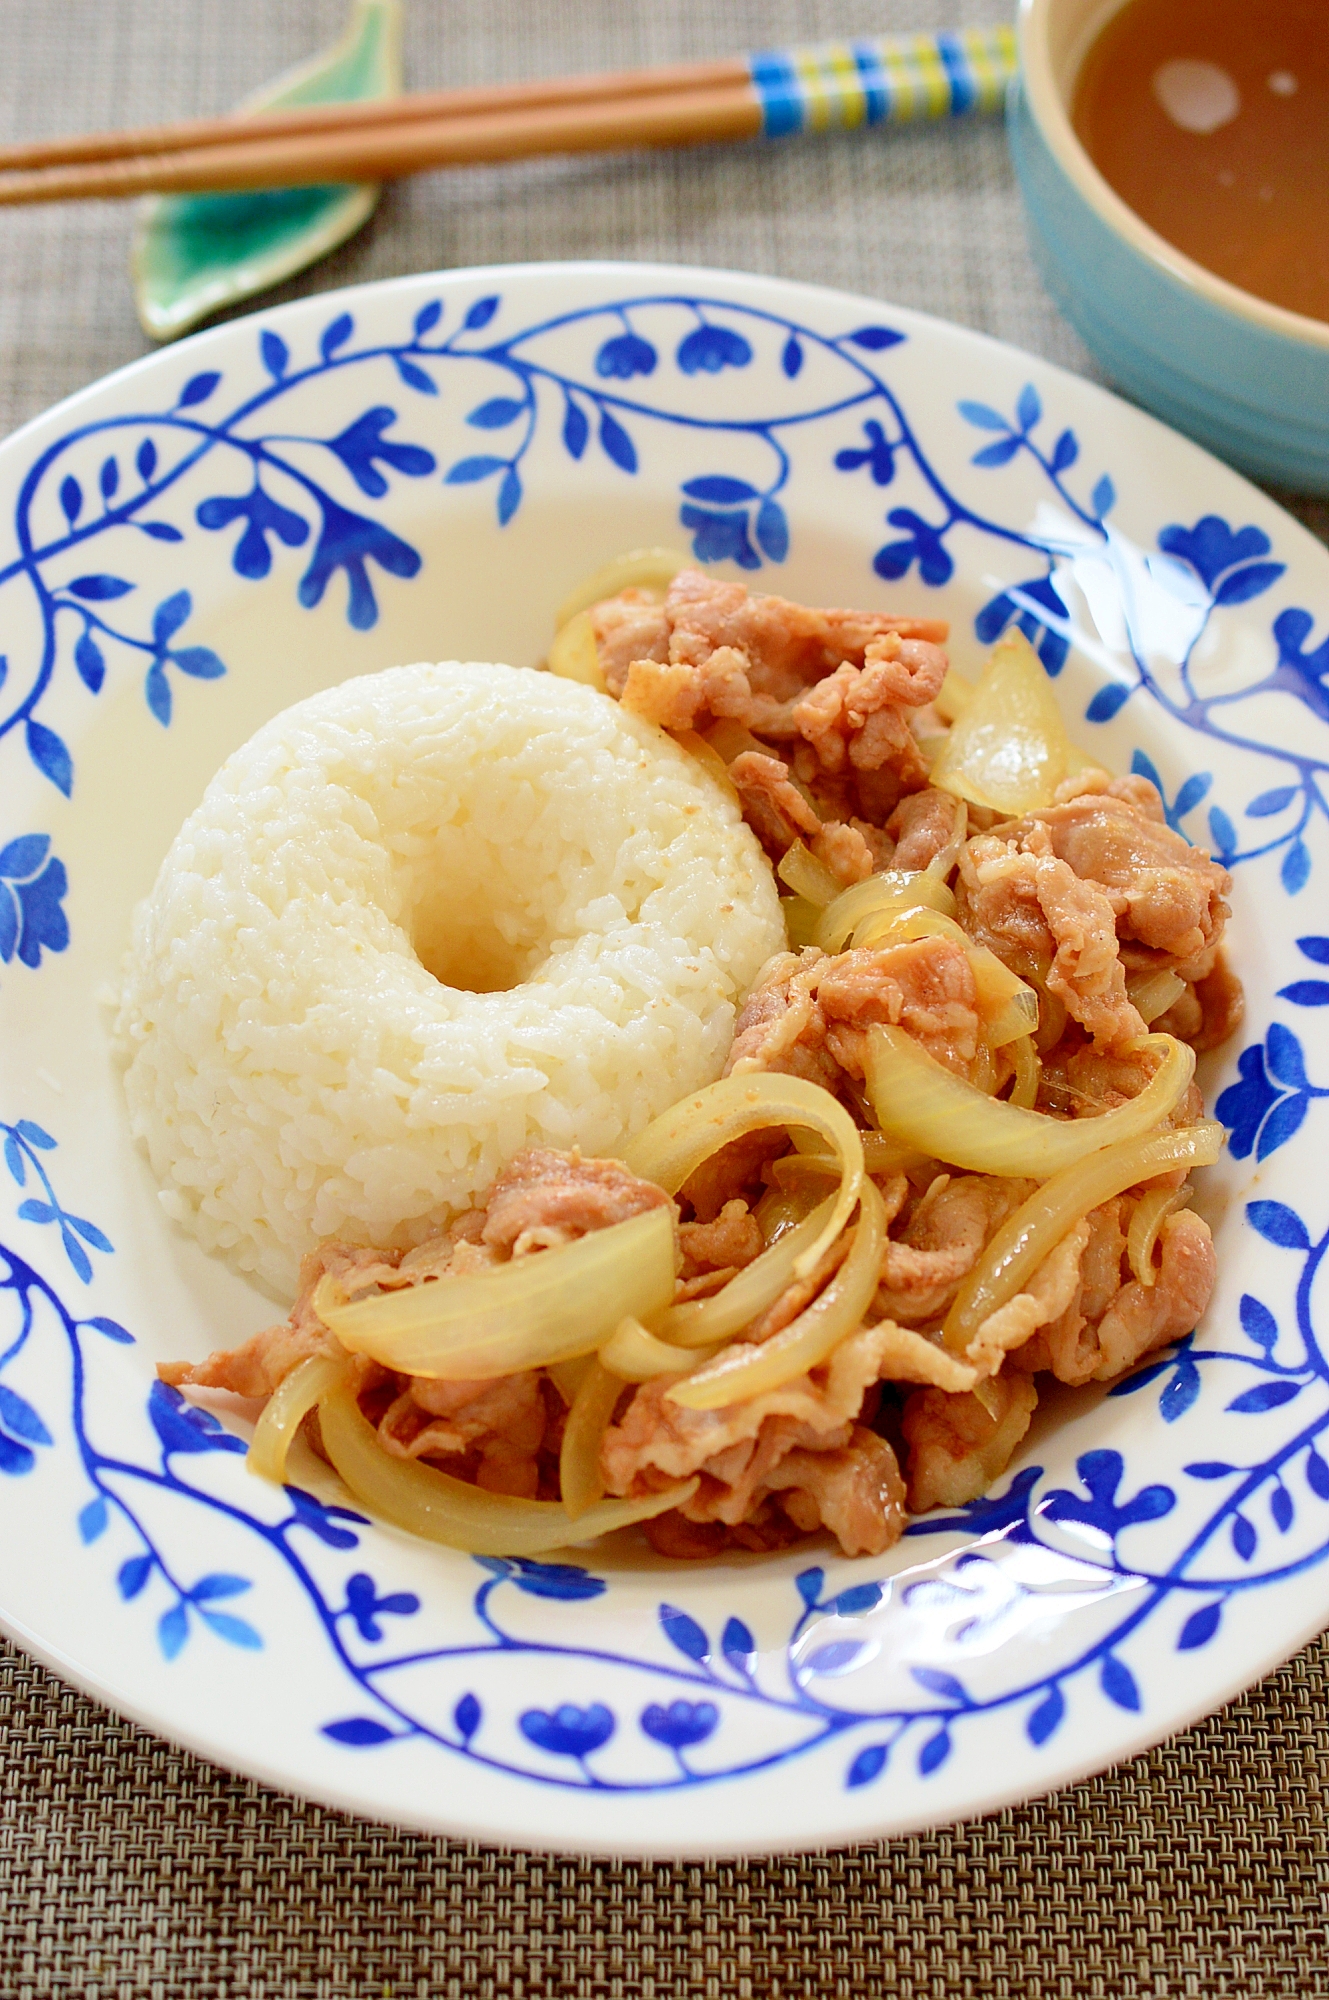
pixel 288 460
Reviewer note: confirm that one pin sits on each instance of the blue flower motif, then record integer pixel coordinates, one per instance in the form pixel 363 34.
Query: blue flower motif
pixel 720 535
pixel 263 516
pixel 682 1724
pixel 567 1582
pixel 182 1428
pixel 1101 1474
pixel 1244 1107
pixel 999 611
pixel 625 355
pixel 1262 1114
pixel 569 1731
pixel 362 442
pixel 878 455
pixel 922 544
pixel 1214 550
pixel 711 348
pixel 1301 671
pixel 364 1605
pixel 31 918
pixel 322 1520
pixel 346 542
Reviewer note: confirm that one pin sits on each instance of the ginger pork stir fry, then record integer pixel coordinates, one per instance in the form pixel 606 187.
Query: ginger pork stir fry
pixel 948 1159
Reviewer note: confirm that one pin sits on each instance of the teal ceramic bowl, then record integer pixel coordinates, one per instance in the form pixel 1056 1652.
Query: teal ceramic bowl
pixel 1246 378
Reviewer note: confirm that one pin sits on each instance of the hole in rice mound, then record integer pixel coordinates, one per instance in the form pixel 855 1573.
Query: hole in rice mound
pixel 419 922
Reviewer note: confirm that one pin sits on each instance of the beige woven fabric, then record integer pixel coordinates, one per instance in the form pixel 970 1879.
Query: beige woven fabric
pixel 127 1868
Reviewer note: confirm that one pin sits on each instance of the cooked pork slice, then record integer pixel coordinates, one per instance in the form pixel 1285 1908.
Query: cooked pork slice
pixel 922 825
pixel 856 1492
pixel 1110 1320
pixel 543 1198
pixel 1038 916
pixel 941 1241
pixel 1166 895
pixel 958 1445
pixel 808 1013
pixel 262 1363
pixel 732 1240
pixel 499 1424
pixel 738 1451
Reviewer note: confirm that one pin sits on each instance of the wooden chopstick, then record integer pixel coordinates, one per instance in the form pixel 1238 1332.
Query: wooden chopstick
pixel 775 93
pixel 379 152
pixel 417 106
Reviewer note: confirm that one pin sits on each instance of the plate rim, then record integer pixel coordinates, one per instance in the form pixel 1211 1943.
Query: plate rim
pixel 1146 1735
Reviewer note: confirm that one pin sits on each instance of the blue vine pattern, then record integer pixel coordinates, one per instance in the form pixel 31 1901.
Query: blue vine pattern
pixel 682 1713
pixel 668 1718
pixel 139 467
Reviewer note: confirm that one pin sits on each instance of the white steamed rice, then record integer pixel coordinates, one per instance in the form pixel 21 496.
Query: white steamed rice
pixel 417 923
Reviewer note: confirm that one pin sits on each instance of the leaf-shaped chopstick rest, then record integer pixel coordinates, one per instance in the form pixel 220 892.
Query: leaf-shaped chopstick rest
pixel 194 254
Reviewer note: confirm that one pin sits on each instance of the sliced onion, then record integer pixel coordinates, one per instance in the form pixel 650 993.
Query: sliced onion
pixel 635 1354
pixel 882 1155
pixel 1151 1212
pixel 745 1370
pixel 639 569
pixel 919 1101
pixel 568 1376
pixel 1038 1225
pixel 704 1322
pixel 574 655
pixel 1009 1007
pixel 1028 1073
pixel 1009 749
pixel 983 1071
pixel 675 1145
pixel 285 1411
pixel 954 696
pixel 903 926
pixel 549 1306
pixel 892 889
pixel 1154 994
pixel 1051 1020
pixel 580 1480
pixel 800 870
pixel 801 919
pixel 729 739
pixel 443 1509
pixel 697 746
pixel 779 1211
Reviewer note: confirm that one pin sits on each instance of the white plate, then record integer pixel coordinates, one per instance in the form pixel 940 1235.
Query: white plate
pixel 422 468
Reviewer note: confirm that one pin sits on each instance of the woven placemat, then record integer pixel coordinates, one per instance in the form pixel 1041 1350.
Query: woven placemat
pixel 128 1868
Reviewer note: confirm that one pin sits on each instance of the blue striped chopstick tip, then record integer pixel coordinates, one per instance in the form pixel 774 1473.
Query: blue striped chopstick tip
pixel 839 86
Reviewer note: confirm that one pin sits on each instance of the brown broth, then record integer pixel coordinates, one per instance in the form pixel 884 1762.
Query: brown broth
pixel 1249 198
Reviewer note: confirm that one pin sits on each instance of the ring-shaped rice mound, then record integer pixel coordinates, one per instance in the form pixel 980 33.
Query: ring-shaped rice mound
pixel 419 922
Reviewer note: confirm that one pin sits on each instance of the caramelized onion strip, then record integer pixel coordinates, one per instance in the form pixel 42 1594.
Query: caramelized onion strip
pixel 580 1481
pixel 675 1145
pixel 745 1370
pixel 704 1322
pixel 921 1103
pixel 549 1306
pixel 1151 1212
pixel 1038 1225
pixel 891 890
pixel 285 1411
pixel 443 1509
